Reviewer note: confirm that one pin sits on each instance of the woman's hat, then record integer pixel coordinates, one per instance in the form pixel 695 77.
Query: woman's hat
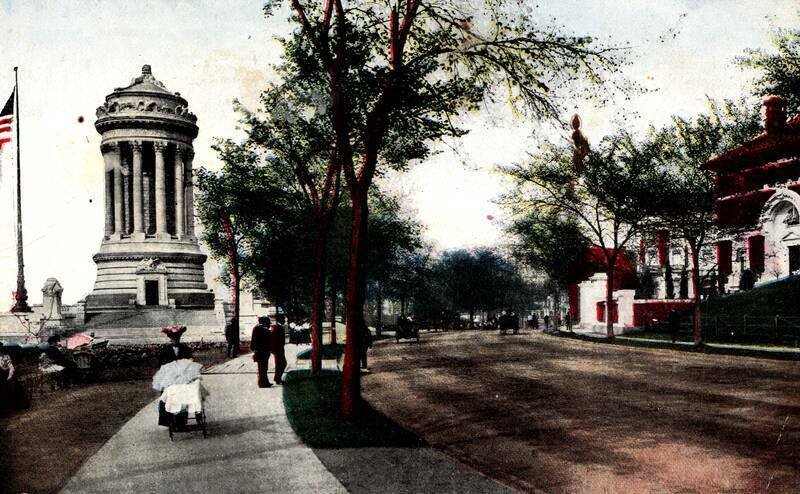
pixel 174 331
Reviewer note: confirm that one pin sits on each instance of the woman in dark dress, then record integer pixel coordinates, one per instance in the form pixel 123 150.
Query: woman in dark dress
pixel 12 396
pixel 174 350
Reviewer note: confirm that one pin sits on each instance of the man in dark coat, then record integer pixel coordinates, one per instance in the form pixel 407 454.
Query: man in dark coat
pixel 174 350
pixel 260 345
pixel 674 321
pixel 232 337
pixel 277 342
pixel 366 343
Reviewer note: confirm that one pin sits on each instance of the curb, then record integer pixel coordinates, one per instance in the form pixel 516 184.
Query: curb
pixel 712 349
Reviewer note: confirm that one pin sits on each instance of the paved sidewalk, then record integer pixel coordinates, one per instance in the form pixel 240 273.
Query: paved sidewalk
pixel 251 448
pixel 741 350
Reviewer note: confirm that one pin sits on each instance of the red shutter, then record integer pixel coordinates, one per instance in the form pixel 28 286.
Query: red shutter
pixel 725 257
pixel 601 311
pixel 662 242
pixel 574 294
pixel 755 251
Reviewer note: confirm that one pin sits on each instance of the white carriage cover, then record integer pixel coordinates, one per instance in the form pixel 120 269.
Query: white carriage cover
pixel 184 397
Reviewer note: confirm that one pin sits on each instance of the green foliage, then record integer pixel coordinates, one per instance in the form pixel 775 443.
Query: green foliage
pixel 480 280
pixel 608 201
pixel 685 197
pixel 548 242
pixel 255 199
pixel 779 69
pixel 455 56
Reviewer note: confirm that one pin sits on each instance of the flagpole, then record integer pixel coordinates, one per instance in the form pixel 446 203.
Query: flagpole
pixel 21 298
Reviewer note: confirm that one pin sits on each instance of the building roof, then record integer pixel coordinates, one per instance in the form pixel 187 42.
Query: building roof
pixel 144 83
pixel 780 139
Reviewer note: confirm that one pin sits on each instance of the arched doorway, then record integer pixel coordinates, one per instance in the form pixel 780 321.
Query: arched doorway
pixel 780 224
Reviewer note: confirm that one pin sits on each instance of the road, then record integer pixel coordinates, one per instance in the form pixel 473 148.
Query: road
pixel 558 415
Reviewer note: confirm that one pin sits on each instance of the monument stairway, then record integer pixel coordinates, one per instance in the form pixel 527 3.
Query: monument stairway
pixel 143 325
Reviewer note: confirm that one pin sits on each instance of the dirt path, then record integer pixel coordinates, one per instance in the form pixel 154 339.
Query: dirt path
pixel 557 415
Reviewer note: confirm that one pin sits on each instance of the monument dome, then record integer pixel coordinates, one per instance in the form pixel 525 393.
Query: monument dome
pixel 149 254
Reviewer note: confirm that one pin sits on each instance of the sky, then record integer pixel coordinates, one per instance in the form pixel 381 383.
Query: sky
pixel 72 54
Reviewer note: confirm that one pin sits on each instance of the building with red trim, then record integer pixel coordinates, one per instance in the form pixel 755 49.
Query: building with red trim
pixel 757 202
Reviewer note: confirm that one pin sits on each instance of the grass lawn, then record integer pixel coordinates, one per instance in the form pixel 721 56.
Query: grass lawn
pixel 312 405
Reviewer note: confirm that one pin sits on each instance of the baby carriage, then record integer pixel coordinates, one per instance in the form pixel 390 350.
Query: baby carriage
pixel 182 397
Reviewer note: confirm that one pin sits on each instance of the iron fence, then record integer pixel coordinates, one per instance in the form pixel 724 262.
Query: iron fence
pixel 746 328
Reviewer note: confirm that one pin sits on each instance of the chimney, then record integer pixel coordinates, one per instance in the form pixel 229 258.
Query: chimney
pixel 774 114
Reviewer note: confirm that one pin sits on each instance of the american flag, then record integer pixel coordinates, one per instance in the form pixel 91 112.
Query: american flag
pixel 6 119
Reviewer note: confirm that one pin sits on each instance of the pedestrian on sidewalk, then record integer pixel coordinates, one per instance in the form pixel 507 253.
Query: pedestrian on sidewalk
pixel 277 335
pixel 674 320
pixel 12 396
pixel 546 322
pixel 260 345
pixel 366 344
pixel 174 350
pixel 232 337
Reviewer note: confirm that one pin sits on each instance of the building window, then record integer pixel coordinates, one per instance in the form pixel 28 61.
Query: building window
pixel 755 252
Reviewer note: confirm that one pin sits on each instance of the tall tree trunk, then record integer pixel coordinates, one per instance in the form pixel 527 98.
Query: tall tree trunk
pixel 351 373
pixel 471 318
pixel 557 307
pixel 233 265
pixel 610 298
pixel 402 306
pixel 698 335
pixel 318 298
pixel 332 295
pixel 379 309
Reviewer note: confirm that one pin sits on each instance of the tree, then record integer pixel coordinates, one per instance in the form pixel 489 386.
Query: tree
pixel 398 71
pixel 780 69
pixel 393 257
pixel 548 242
pixel 294 133
pixel 606 194
pixel 684 204
pixel 231 207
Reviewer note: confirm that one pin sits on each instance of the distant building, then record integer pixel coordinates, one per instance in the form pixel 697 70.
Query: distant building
pixel 757 202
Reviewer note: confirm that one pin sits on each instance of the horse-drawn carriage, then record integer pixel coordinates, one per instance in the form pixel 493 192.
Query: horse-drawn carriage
pixel 406 329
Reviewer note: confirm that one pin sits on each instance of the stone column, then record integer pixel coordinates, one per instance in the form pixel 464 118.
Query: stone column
pixel 126 193
pixel 109 186
pixel 138 214
pixel 180 208
pixel 147 203
pixel 189 194
pixel 161 190
pixel 113 153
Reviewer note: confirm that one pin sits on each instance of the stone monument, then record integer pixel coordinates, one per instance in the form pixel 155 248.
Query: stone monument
pixel 149 255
